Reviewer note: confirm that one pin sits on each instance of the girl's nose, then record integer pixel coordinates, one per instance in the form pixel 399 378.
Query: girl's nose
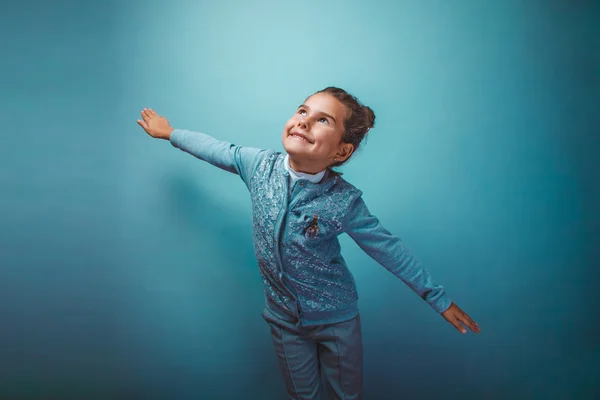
pixel 302 123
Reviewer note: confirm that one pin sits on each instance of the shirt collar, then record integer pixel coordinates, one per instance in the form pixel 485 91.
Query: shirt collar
pixel 314 178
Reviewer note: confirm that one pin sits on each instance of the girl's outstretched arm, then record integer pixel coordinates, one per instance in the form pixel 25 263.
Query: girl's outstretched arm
pixel 389 251
pixel 227 156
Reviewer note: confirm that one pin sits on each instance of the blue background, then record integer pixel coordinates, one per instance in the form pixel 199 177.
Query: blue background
pixel 126 266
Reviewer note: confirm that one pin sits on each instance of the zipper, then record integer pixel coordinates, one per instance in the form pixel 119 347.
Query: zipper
pixel 279 227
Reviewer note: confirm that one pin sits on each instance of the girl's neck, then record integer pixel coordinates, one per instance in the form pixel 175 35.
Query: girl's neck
pixel 305 168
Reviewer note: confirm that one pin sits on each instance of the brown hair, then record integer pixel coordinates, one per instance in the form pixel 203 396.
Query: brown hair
pixel 358 122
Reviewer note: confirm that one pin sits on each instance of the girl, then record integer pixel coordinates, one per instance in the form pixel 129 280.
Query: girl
pixel 300 206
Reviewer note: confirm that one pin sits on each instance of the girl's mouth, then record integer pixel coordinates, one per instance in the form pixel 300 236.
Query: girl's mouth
pixel 300 136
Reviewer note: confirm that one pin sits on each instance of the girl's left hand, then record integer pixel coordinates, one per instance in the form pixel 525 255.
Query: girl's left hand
pixel 155 125
pixel 456 317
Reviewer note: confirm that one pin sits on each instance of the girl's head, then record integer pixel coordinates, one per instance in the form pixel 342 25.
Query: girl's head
pixel 326 130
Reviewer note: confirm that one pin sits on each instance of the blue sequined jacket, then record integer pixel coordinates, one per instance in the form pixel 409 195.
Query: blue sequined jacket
pixel 296 231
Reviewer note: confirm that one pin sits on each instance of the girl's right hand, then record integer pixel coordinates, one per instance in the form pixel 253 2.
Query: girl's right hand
pixel 155 125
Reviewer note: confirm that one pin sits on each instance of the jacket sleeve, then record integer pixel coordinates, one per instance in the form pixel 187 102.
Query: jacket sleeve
pixel 227 156
pixel 389 251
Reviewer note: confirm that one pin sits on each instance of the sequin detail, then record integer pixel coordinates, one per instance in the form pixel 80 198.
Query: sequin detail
pixel 297 240
pixel 268 195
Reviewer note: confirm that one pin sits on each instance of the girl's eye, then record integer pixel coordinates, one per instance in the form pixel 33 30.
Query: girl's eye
pixel 302 112
pixel 323 120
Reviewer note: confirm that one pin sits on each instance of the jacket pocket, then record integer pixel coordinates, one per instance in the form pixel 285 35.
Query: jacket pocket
pixel 312 227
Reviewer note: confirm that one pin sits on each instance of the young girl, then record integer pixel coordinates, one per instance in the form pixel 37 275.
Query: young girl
pixel 300 206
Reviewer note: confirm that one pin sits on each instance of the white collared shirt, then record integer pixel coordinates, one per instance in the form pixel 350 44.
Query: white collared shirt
pixel 314 178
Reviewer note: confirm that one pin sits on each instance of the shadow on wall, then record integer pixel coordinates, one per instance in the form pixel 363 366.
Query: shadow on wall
pixel 218 255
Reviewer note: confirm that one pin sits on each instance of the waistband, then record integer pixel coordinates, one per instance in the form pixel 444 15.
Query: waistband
pixel 310 318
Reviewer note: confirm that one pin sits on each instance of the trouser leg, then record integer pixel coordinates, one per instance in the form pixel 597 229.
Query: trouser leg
pixel 298 358
pixel 341 358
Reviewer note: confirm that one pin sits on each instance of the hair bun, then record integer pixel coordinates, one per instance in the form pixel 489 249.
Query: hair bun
pixel 370 116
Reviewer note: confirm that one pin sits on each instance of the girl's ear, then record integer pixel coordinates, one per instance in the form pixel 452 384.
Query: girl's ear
pixel 345 151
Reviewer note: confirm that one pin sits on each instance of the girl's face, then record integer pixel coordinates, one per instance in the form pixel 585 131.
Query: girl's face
pixel 313 136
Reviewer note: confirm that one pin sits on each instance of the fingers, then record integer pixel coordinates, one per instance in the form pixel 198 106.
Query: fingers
pixel 143 124
pixel 464 318
pixel 458 326
pixel 466 321
pixel 472 325
pixel 145 115
pixel 458 318
pixel 148 114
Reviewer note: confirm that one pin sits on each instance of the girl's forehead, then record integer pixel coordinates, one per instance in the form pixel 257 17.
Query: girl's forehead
pixel 323 102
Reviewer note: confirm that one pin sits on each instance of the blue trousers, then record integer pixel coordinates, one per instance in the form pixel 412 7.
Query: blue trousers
pixel 307 355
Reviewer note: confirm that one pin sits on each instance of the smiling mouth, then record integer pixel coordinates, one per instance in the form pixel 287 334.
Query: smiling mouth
pixel 299 136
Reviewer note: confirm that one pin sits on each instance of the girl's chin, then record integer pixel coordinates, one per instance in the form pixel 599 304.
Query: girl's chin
pixel 294 153
pixel 295 147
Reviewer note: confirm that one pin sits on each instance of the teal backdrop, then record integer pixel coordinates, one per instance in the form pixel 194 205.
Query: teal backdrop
pixel 126 266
